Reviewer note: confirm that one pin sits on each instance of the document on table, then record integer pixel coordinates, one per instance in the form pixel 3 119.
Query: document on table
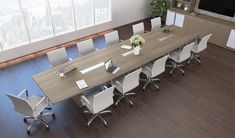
pixel 81 84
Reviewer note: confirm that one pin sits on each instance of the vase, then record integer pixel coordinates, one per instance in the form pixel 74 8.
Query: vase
pixel 137 50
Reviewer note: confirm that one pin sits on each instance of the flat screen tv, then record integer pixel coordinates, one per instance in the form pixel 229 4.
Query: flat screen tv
pixel 224 7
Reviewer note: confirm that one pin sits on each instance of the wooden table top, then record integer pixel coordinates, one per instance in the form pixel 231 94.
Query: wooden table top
pixel 58 89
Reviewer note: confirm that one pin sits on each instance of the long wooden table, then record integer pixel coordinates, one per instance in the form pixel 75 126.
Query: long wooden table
pixel 58 89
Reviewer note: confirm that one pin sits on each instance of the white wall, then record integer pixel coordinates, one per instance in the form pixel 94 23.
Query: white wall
pixel 123 12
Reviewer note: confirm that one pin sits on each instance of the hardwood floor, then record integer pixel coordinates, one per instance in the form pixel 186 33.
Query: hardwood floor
pixel 200 103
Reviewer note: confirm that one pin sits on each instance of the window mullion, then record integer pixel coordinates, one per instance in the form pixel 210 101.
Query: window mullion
pixel 24 20
pixel 74 15
pixel 93 6
pixel 50 16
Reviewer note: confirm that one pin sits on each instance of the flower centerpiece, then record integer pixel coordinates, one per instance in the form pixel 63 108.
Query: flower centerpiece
pixel 136 42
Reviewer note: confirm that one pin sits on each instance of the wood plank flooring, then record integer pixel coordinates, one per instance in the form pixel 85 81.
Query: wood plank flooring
pixel 200 103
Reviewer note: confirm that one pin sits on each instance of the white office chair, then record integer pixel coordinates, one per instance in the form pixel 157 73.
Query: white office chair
pixel 153 70
pixel 138 29
pixel 179 56
pixel 198 48
pixel 125 84
pixel 112 38
pixel 97 102
pixel 156 23
pixel 31 108
pixel 57 57
pixel 86 47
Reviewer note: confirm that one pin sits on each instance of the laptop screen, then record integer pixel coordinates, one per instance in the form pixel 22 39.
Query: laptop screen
pixel 108 64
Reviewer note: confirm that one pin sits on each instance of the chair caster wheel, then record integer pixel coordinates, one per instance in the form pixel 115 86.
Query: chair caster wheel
pixel 171 74
pixel 28 132
pixel 53 115
pixel 83 108
pixel 88 126
pixel 157 89
pixel 182 73
pixel 48 108
pixel 106 125
pixel 131 105
pixel 25 120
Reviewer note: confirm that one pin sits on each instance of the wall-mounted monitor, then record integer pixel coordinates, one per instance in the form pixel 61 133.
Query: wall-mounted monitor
pixel 224 7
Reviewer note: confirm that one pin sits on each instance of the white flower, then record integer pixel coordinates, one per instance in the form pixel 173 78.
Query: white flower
pixel 137 40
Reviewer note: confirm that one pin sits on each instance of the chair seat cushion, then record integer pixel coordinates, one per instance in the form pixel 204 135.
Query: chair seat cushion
pixel 147 71
pixel 117 86
pixel 33 100
pixel 175 56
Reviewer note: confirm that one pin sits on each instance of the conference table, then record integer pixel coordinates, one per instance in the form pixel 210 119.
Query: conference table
pixel 158 43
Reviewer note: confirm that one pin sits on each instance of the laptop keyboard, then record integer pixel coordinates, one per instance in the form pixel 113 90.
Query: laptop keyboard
pixel 111 69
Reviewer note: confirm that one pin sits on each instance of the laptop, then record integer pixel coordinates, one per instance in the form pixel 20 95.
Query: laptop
pixel 68 68
pixel 110 67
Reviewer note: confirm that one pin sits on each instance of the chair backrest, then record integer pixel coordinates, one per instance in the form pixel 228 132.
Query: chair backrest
pixel 202 44
pixel 131 80
pixel 57 57
pixel 156 23
pixel 85 47
pixel 170 18
pixel 103 99
pixel 138 29
pixel 159 66
pixel 21 105
pixel 111 38
pixel 186 52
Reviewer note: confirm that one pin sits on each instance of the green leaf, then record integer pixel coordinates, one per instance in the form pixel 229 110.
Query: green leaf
pixel 158 8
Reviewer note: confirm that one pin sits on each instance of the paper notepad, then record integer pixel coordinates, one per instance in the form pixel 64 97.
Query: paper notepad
pixel 84 71
pixel 81 84
pixel 126 47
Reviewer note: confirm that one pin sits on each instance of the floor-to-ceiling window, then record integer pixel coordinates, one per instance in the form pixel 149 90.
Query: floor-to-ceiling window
pixel 84 13
pixel 37 17
pixel 12 26
pixel 102 10
pixel 62 15
pixel 27 21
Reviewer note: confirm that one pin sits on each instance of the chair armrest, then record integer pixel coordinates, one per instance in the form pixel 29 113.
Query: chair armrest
pixel 176 53
pixel 119 83
pixel 148 68
pixel 86 102
pixel 104 87
pixel 43 98
pixel 22 92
